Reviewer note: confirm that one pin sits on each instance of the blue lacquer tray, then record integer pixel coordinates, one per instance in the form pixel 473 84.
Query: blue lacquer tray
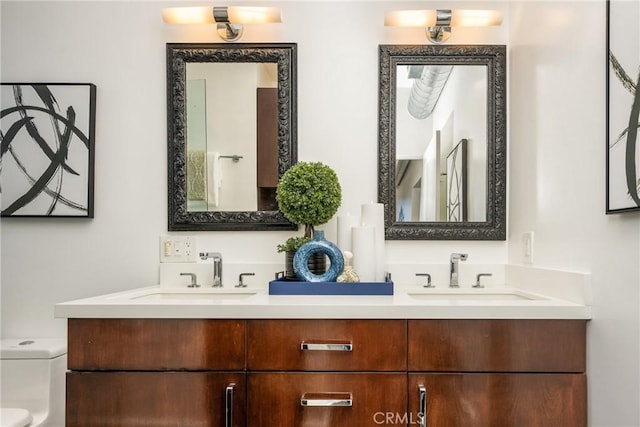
pixel 288 287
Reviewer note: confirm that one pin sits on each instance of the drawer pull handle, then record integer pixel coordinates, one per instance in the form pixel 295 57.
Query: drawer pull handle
pixel 422 416
pixel 326 346
pixel 326 399
pixel 228 405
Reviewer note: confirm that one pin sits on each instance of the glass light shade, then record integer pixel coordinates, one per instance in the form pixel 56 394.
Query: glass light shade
pixel 410 18
pixel 237 15
pixel 254 15
pixel 188 15
pixel 475 18
pixel 428 18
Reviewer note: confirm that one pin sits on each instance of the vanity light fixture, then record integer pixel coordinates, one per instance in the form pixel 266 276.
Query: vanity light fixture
pixel 438 22
pixel 229 19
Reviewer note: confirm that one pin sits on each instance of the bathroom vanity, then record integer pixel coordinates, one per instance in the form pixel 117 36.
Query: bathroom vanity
pixel 264 360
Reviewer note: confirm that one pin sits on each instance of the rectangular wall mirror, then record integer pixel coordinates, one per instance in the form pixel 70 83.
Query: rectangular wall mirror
pixel 442 141
pixel 231 134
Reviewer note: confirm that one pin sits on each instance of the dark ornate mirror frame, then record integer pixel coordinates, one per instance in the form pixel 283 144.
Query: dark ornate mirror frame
pixel 494 57
pixel 178 55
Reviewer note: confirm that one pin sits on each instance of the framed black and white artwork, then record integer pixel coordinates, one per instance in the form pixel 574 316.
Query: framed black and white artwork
pixel 457 183
pixel 623 106
pixel 47 133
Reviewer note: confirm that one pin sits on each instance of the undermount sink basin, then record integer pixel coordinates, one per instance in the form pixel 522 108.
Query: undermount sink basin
pixel 480 294
pixel 195 294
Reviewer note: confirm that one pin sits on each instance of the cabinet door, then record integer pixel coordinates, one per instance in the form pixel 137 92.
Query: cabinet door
pixel 497 400
pixel 150 399
pixel 325 399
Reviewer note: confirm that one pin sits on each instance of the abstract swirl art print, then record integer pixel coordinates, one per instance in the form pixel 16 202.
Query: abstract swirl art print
pixel 623 106
pixel 47 134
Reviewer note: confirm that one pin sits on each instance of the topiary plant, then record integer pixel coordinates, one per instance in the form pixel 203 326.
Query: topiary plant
pixel 309 193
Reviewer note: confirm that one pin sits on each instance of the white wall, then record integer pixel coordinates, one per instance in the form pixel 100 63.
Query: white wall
pixel 557 186
pixel 556 117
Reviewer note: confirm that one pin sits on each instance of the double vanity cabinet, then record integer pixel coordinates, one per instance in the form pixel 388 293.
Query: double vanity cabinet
pixel 326 372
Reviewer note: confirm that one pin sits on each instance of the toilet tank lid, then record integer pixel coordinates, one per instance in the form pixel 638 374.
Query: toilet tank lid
pixel 15 417
pixel 32 348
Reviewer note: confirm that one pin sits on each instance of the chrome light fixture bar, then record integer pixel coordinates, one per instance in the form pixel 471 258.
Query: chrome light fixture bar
pixel 438 23
pixel 229 20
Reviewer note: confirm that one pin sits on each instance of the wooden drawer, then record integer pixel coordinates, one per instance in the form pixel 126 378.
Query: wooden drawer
pixel 375 345
pixel 274 399
pixel 497 345
pixel 144 399
pixel 156 344
pixel 496 400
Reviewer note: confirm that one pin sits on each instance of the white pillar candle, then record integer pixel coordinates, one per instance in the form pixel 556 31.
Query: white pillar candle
pixel 345 224
pixel 364 253
pixel 373 216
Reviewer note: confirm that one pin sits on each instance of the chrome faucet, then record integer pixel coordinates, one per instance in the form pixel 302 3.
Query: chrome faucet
pixel 453 269
pixel 217 266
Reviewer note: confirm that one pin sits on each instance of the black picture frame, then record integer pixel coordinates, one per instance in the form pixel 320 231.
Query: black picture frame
pixel 47 154
pixel 623 107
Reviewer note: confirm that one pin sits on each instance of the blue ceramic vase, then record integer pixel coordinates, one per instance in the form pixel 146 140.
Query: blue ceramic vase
pixel 318 244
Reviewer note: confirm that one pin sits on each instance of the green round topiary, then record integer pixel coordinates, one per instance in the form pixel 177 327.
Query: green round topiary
pixel 309 193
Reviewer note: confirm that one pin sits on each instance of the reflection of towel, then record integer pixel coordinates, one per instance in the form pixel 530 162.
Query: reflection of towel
pixel 196 175
pixel 215 178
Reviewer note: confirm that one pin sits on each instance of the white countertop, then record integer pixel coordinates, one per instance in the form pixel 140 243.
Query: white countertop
pixel 208 303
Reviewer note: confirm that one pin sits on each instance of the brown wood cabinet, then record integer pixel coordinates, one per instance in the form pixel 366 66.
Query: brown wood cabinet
pixel 156 372
pixel 300 345
pixel 498 399
pixel 324 399
pixel 144 399
pixel 156 344
pixel 498 372
pixel 326 372
pixel 497 345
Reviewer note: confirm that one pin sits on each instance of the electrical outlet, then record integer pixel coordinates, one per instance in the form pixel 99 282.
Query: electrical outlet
pixel 177 249
pixel 527 247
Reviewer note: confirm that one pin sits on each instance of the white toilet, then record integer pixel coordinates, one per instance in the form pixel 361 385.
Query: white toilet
pixel 32 373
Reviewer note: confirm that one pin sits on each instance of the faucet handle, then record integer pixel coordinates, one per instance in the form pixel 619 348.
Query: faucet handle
pixel 241 283
pixel 428 276
pixel 194 280
pixel 480 276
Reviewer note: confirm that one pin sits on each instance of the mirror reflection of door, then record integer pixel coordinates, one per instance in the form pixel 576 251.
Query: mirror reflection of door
pixel 230 104
pixel 436 107
pixel 197 131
